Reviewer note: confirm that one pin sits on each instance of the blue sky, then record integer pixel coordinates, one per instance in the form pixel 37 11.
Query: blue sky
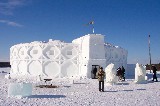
pixel 126 23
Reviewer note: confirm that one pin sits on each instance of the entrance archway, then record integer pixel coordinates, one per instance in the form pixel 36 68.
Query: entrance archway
pixel 94 70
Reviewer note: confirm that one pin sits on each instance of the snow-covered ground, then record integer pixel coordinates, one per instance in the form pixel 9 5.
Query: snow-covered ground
pixel 84 92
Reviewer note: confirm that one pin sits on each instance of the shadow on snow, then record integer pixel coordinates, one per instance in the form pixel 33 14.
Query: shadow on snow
pixel 141 89
pixel 122 83
pixel 46 96
pixel 110 91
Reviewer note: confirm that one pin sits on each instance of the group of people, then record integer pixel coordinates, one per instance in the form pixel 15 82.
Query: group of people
pixel 100 74
pixel 121 73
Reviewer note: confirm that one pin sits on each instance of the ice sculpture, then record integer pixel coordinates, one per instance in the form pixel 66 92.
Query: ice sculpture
pixel 111 72
pixel 140 74
pixel 20 90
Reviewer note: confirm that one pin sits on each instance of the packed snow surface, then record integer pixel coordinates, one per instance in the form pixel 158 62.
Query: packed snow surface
pixel 83 92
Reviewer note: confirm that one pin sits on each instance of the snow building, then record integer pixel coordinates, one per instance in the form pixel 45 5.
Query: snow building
pixel 57 59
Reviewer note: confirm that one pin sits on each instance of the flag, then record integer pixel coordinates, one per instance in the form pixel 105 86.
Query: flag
pixel 90 23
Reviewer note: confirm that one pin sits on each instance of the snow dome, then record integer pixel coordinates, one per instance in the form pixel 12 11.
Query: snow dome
pixel 56 59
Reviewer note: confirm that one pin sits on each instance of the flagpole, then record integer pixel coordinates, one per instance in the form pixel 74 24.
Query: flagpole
pixel 149 52
pixel 92 24
pixel 93 29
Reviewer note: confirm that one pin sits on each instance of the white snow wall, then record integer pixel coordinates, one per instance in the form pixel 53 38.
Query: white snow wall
pixel 116 55
pixel 58 59
pixel 52 59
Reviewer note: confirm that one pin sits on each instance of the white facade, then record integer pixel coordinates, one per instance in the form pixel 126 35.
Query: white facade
pixel 59 59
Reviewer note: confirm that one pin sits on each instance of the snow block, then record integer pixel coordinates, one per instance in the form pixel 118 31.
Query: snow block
pixel 19 89
pixel 140 74
pixel 111 77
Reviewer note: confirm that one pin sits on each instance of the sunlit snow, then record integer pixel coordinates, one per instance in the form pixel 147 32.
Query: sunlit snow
pixel 82 92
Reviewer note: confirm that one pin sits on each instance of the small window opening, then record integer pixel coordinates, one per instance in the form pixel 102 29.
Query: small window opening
pixel 69 52
pixel 35 51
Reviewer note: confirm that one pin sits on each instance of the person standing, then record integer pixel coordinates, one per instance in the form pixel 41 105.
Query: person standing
pixel 94 72
pixel 101 76
pixel 154 73
pixel 123 73
pixel 119 73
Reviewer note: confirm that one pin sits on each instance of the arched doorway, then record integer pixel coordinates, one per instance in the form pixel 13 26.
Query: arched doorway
pixel 95 68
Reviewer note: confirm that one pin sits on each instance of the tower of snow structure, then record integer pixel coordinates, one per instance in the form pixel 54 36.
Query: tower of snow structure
pixel 92 52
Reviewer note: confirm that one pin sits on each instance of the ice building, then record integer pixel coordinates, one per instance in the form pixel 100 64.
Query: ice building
pixel 56 59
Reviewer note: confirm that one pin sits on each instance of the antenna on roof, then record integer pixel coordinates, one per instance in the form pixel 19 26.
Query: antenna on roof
pixel 91 23
pixel 93 29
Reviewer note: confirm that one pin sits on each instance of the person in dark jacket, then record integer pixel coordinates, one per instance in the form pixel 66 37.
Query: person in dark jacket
pixel 101 76
pixel 94 72
pixel 123 73
pixel 154 73
pixel 119 73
